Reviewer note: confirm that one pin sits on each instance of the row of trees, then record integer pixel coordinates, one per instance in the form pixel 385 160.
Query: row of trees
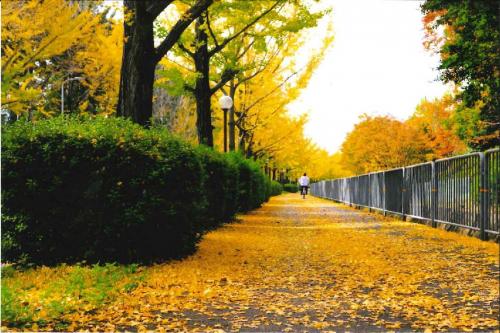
pixel 244 49
pixel 229 42
pixel 169 62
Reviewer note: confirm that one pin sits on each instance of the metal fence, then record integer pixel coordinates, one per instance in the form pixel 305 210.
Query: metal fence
pixel 461 191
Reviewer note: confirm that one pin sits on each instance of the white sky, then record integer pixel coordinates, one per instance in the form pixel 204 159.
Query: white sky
pixel 377 65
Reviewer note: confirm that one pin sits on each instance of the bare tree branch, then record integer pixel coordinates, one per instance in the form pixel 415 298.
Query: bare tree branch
pixel 245 50
pixel 211 31
pixel 229 39
pixel 187 18
pixel 257 101
pixel 185 49
pixel 225 77
pixel 157 6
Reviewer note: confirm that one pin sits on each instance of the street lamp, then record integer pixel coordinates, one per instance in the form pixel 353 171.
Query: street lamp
pixel 225 102
pixel 62 91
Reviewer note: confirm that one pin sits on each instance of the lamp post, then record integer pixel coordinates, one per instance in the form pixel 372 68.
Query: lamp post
pixel 225 102
pixel 62 91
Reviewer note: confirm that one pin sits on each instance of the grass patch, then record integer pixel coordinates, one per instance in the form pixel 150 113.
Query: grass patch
pixel 43 296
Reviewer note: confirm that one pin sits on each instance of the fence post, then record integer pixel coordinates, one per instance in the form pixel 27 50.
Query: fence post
pixel 383 193
pixel 434 185
pixel 483 195
pixel 370 192
pixel 403 195
pixel 351 190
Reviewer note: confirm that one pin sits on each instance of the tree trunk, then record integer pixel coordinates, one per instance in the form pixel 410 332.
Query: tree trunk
pixel 138 66
pixel 249 149
pixel 242 138
pixel 202 87
pixel 241 144
pixel 232 139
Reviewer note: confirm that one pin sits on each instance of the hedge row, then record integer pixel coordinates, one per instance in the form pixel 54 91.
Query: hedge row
pixel 291 187
pixel 105 190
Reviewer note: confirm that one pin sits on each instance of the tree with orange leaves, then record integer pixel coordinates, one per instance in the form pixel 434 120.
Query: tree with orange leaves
pixel 435 120
pixel 466 34
pixel 382 142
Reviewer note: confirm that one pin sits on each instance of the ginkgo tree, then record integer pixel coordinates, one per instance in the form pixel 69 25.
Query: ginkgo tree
pixel 214 49
pixel 266 131
pixel 41 50
pixel 99 62
pixel 265 47
pixel 29 50
pixel 266 96
pixel 140 56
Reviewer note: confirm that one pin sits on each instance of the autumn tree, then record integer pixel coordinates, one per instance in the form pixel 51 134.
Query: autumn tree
pixel 261 100
pixel 40 51
pixel 266 131
pixel 258 49
pixel 34 41
pixel 265 78
pixel 140 56
pixel 216 50
pixel 238 17
pixel 99 63
pixel 470 58
pixel 435 119
pixel 382 142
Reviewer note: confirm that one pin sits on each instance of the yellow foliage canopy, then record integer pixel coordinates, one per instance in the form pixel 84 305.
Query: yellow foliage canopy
pixel 269 132
pixel 41 49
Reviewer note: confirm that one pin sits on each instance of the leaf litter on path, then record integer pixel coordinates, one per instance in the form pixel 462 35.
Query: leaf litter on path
pixel 314 265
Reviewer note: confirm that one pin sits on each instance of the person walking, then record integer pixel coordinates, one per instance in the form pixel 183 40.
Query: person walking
pixel 304 185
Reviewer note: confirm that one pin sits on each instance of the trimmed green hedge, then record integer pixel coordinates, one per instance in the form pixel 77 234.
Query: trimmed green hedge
pixel 221 187
pixel 106 190
pixel 291 187
pixel 276 188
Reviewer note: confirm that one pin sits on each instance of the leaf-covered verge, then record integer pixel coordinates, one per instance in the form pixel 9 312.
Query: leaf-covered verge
pixel 311 265
pixel 39 296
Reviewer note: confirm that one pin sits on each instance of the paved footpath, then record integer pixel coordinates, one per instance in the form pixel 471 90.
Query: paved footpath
pixel 313 265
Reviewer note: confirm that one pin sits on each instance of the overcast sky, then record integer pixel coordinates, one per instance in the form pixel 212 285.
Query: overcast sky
pixel 377 65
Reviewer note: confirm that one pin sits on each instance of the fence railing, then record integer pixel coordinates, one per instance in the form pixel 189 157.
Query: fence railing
pixel 461 191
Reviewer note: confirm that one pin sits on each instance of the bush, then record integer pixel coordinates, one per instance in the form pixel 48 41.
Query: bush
pixel 99 190
pixel 291 187
pixel 252 190
pixel 276 188
pixel 221 187
pixel 105 190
